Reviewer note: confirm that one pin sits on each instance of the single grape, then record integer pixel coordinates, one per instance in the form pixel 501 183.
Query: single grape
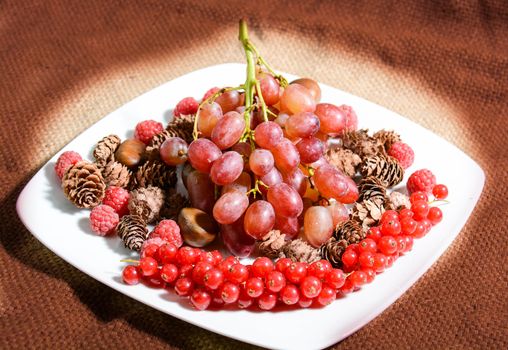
pixel 282 119
pixel 269 88
pixel 289 226
pixel 245 150
pixel 333 120
pixel 227 168
pixel 268 135
pixel 230 207
pixel 330 182
pixel 242 184
pixel 352 193
pixel 351 117
pixel 201 191
pixel 229 100
pixel 271 178
pixel 259 219
pixel 208 116
pixel 261 161
pixel 297 180
pixel 317 225
pixel 173 151
pixel 286 156
pixel 236 240
pixel 311 85
pixel 297 98
pixel 338 211
pixel 202 153
pixel 302 125
pixel 285 200
pixel 311 149
pixel 228 130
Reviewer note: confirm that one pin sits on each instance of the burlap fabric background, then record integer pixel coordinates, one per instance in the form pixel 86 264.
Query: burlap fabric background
pixel 64 65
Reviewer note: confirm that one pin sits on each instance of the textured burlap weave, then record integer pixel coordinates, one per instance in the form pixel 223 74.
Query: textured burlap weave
pixel 64 65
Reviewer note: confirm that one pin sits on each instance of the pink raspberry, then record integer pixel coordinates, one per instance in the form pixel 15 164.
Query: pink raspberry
pixel 209 93
pixel 118 199
pixel 403 153
pixel 103 220
pixel 65 161
pixel 145 130
pixel 187 106
pixel 421 180
pixel 169 231
pixel 351 117
pixel 148 247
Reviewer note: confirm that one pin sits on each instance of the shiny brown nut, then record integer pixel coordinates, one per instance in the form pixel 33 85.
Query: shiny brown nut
pixel 197 227
pixel 130 152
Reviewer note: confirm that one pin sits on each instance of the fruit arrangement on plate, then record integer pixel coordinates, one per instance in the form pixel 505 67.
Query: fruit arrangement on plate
pixel 265 170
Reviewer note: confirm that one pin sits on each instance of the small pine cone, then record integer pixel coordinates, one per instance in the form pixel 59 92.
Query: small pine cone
pixel 146 202
pixel 155 173
pixel 133 231
pixel 387 138
pixel 116 174
pixel 370 188
pixel 343 159
pixel 386 169
pixel 272 244
pixel 332 251
pixel 84 185
pixel 397 200
pixel 350 231
pixel 368 212
pixel 298 250
pixel 173 204
pixel 182 127
pixel 104 151
pixel 361 143
pixel 152 150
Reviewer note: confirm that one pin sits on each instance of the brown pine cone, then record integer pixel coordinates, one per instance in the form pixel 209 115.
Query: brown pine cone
pixel 182 127
pixel 361 143
pixel 343 159
pixel 387 138
pixel 146 202
pixel 116 174
pixel 332 251
pixel 155 173
pixel 387 169
pixel 152 150
pixel 173 204
pixel 272 244
pixel 83 184
pixel 368 212
pixel 299 250
pixel 133 231
pixel 397 200
pixel 350 231
pixel 370 188
pixel 104 151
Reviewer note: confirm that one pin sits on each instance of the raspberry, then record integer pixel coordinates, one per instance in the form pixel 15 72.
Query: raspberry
pixel 145 130
pixel 149 242
pixel 169 231
pixel 65 161
pixel 351 117
pixel 103 219
pixel 403 153
pixel 421 180
pixel 209 93
pixel 187 106
pixel 118 199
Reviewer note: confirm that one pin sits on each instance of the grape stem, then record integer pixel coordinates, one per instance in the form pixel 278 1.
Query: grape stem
pixel 256 189
pixel 250 82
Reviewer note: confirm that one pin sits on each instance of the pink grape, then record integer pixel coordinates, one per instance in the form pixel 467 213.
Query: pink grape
pixel 297 180
pixel 269 88
pixel 229 100
pixel 273 177
pixel 317 225
pixel 208 116
pixel 318 163
pixel 352 193
pixel 261 161
pixel 302 125
pixel 310 149
pixel 351 117
pixel 282 119
pixel 296 98
pixel 228 130
pixel 201 191
pixel 332 119
pixel 245 150
pixel 286 156
pixel 289 226
pixel 173 151
pixel 242 184
pixel 227 168
pixel 268 135
pixel 311 85
pixel 338 211
pixel 285 200
pixel 259 219
pixel 330 182
pixel 236 240
pixel 202 153
pixel 230 207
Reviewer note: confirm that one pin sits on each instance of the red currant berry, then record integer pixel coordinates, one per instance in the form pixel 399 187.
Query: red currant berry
pixel 319 268
pixel 418 196
pixel 310 286
pixel 148 266
pixel 405 213
pixel 169 273
pixel 150 251
pixel 275 281
pixel 187 256
pixel 213 279
pixel 390 259
pixel 335 278
pixel 408 226
pixel 305 302
pixel 367 245
pixel 217 256
pixel 226 264
pixel 267 301
pixel 326 296
pixel 261 266
pixel 379 262
pixel 282 264
pixel 440 191
pixel 420 230
pixel 366 259
pixel 201 299
pixel 389 215
pixel 387 245
pixel 370 273
pixel 390 227
pixel 348 286
pixel 290 294
pixel 206 257
pixel 200 270
pixel 237 273
pixel 167 253
pixel 358 278
pixel 435 215
pixel 409 243
pixel 184 286
pixel 155 280
pixel 401 244
pixel 230 292
pixel 427 224
pixel 217 298
pixel 353 247
pixel 296 272
pixel 185 271
pixel 420 209
pixel 254 287
pixel 244 300
pixel 131 275
pixel 349 258
pixel 374 233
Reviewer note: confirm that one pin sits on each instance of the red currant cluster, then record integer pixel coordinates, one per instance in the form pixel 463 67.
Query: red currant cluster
pixel 209 279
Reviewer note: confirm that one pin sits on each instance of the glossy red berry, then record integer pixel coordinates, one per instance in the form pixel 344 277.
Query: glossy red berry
pixel 230 292
pixel 282 264
pixel 409 243
pixel 387 245
pixel 408 225
pixel 206 257
pixel 435 215
pixel 366 259
pixel 199 271
pixel 379 262
pixel 167 253
pixel 390 227
pixel 201 299
pixel 440 191
pixel 349 258
pixel 405 213
pixel 150 250
pixel 155 280
pixel 335 278
pixel 131 275
pixel 169 273
pixel 254 287
pixel 326 296
pixel 184 286
pixel 374 233
pixel 367 245
pixel 275 281
pixel 296 272
pixel 213 279
pixel 420 230
pixel 319 268
pixel 390 259
pixel 389 215
pixel 261 266
pixel 420 209
pixel 187 255
pixel 267 301
pixel 370 273
pixel 244 300
pixel 310 286
pixel 186 271
pixel 348 287
pixel 148 266
pixel 226 264
pixel 237 273
pixel 427 224
pixel 358 278
pixel 401 244
pixel 305 302
pixel 418 196
pixel 290 294
pixel 217 256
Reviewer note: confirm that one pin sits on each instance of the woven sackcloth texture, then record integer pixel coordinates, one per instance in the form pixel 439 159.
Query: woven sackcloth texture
pixel 66 64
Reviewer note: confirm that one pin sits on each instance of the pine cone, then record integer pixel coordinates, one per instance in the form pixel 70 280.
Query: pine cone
pixel 152 150
pixel 83 185
pixel 133 231
pixel 344 160
pixel 182 127
pixel 272 244
pixel 370 188
pixel 146 202
pixel 155 173
pixel 332 251
pixel 368 212
pixel 350 231
pixel 173 204
pixel 361 143
pixel 116 174
pixel 104 151
pixel 386 169
pixel 397 200
pixel 298 250
pixel 387 138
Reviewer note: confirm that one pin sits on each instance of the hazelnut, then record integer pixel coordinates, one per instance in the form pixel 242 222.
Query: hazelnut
pixel 197 227
pixel 130 152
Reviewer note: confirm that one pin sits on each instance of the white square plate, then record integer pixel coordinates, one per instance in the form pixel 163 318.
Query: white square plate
pixel 64 229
